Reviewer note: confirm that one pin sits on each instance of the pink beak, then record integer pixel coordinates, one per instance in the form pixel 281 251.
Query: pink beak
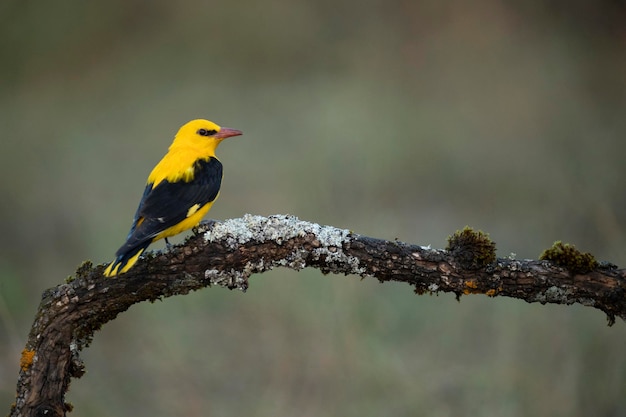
pixel 226 132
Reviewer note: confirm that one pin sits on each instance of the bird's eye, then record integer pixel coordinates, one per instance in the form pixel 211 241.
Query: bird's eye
pixel 205 132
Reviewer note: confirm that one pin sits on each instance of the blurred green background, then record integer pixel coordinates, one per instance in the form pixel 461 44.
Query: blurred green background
pixel 395 119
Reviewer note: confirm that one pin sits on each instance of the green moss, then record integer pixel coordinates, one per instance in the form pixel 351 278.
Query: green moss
pixel 567 256
pixel 84 269
pixel 472 249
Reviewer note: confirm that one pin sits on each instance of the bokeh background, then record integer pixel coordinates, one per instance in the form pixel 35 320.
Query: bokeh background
pixel 395 119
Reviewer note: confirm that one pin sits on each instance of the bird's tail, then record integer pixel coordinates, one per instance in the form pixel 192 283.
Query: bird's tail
pixel 125 259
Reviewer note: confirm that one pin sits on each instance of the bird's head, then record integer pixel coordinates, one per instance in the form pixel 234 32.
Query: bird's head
pixel 202 135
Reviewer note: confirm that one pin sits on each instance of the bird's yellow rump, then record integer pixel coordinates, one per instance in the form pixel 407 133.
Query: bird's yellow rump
pixel 180 191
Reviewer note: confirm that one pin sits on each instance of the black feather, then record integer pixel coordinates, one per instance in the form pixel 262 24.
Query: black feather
pixel 167 204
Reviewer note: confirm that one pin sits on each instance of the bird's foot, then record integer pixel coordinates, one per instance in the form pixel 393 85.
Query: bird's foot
pixel 205 225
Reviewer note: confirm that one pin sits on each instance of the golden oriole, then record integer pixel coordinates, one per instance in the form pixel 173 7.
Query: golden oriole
pixel 180 191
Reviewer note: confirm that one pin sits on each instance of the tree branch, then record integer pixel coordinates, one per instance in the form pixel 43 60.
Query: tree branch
pixel 228 253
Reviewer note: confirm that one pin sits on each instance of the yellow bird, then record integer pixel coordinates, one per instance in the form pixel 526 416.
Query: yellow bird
pixel 180 191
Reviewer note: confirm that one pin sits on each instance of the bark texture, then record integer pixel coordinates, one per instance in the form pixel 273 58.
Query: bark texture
pixel 228 253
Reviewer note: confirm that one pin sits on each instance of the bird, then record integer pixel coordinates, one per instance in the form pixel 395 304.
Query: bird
pixel 179 192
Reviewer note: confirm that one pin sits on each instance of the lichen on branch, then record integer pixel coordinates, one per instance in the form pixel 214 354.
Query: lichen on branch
pixel 228 253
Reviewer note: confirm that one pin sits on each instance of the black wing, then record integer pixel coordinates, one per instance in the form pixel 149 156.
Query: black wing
pixel 168 203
